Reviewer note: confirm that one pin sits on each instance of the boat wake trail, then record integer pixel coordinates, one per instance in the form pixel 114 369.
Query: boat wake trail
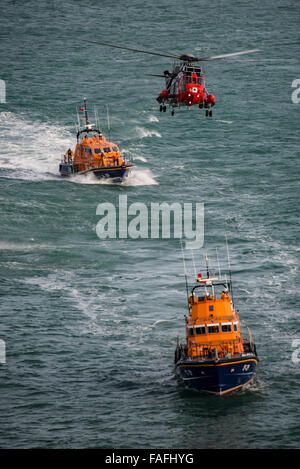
pixel 143 133
pixel 140 177
pixel 137 177
pixel 31 150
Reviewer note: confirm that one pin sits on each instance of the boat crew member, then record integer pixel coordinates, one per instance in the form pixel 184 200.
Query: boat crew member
pixel 69 155
pixel 224 294
pixel 192 298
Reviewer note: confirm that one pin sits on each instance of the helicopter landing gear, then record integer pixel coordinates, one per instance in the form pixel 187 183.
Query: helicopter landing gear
pixel 201 106
pixel 172 112
pixel 162 108
pixel 208 113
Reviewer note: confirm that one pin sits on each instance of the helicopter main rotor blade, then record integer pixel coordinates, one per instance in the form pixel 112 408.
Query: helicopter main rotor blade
pixel 213 57
pixel 133 50
pixel 155 75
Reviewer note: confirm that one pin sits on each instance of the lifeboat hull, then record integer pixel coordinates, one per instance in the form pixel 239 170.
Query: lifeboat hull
pixel 115 172
pixel 220 377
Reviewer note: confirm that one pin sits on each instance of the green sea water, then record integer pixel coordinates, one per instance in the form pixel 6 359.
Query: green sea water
pixel 90 325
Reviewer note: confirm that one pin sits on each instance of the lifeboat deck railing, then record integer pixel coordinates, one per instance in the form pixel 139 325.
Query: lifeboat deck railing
pixel 91 164
pixel 208 351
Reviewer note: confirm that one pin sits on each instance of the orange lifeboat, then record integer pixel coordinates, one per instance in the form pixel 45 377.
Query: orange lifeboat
pixel 94 154
pixel 215 357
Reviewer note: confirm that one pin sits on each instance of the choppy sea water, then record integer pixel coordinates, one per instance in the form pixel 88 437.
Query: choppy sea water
pixel 90 325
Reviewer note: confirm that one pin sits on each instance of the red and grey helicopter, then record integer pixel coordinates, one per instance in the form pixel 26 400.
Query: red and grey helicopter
pixel 185 84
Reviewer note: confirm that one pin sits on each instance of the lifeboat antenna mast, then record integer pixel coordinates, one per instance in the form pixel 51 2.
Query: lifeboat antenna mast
pixel 185 275
pixel 207 274
pixel 108 122
pixel 85 112
pixel 77 126
pixel 229 268
pixel 206 260
pixel 96 118
pixel 194 263
pixel 218 263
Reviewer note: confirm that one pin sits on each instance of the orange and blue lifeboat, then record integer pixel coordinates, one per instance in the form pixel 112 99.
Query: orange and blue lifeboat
pixel 215 358
pixel 94 154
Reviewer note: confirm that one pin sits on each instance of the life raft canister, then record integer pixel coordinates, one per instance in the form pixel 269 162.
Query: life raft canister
pixel 210 99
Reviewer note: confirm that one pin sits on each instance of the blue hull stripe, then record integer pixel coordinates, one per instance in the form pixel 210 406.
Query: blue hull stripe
pixel 218 378
pixel 113 172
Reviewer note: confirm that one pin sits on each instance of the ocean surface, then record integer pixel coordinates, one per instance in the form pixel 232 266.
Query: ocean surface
pixel 89 325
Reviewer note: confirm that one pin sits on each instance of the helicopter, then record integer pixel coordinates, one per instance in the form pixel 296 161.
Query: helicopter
pixel 185 84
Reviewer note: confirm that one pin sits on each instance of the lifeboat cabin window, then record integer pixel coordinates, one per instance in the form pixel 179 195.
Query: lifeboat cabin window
pixel 235 327
pixel 191 330
pixel 107 149
pixel 200 330
pixel 211 307
pixel 213 328
pixel 115 149
pixel 226 327
pixel 97 150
